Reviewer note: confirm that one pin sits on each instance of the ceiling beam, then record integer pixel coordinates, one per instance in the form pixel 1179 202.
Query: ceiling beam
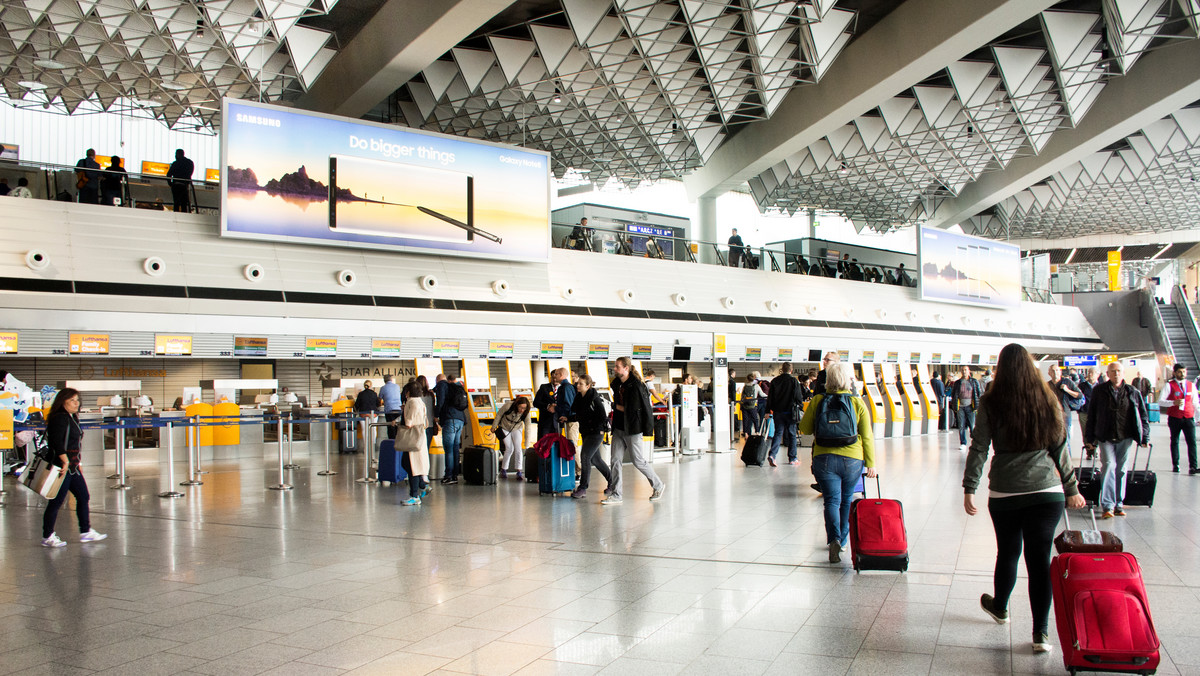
pixel 401 40
pixel 916 40
pixel 1106 240
pixel 1160 83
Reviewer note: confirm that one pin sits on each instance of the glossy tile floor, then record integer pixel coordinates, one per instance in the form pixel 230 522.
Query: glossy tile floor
pixel 727 575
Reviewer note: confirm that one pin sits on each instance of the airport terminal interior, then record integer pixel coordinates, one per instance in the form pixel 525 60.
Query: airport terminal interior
pixel 665 225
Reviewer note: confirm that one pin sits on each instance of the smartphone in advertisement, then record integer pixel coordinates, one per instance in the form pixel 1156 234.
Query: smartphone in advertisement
pixel 404 201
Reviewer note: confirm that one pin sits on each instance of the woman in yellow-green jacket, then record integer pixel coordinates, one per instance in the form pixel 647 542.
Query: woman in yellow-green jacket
pixel 844 447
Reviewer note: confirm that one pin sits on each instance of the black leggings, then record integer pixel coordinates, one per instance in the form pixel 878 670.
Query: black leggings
pixel 73 484
pixel 1034 527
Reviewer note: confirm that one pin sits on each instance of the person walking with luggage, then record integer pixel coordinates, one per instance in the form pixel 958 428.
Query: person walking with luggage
pixel 451 402
pixel 1117 419
pixel 843 447
pixel 966 392
pixel 1021 422
pixel 415 456
pixel 65 437
pixel 510 421
pixel 633 419
pixel 781 405
pixel 751 394
pixel 393 401
pixel 592 418
pixel 1180 401
pixel 1068 394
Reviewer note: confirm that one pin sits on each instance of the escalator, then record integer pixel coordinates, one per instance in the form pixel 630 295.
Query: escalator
pixel 1183 338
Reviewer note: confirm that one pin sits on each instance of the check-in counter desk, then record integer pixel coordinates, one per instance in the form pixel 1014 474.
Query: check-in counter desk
pixel 94 441
pixel 314 433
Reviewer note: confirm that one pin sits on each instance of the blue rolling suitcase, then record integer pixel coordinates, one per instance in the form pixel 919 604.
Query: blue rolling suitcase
pixel 390 470
pixel 555 475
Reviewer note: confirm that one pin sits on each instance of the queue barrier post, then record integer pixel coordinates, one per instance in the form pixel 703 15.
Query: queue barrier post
pixel 328 471
pixel 199 450
pixel 116 448
pixel 193 434
pixel 283 485
pixel 290 463
pixel 366 477
pixel 170 466
pixel 121 484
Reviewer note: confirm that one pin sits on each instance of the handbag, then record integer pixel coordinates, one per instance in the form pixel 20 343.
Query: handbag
pixel 43 478
pixel 410 439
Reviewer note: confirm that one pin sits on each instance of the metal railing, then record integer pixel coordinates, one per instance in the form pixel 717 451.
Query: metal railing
pixel 132 189
pixel 1034 295
pixel 613 241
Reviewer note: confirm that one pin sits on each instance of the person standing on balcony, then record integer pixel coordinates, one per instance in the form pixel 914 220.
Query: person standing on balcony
pixel 87 178
pixel 736 248
pixel 180 178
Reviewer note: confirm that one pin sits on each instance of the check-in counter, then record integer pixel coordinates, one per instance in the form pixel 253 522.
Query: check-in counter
pixel 914 418
pixel 316 433
pixel 251 435
pixel 93 440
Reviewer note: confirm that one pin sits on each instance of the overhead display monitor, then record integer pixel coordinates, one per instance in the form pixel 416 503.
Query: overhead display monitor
pixel 180 346
pixel 294 176
pixel 957 268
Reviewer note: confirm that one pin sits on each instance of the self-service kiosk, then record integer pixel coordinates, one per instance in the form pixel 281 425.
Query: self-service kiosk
pixel 928 400
pixel 520 384
pixel 431 368
pixel 893 425
pixel 914 414
pixel 872 397
pixel 481 407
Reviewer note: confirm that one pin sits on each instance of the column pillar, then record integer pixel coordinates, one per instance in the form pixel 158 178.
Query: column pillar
pixel 706 228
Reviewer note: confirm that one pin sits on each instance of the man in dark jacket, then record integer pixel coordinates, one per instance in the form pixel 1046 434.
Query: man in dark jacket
pixel 939 394
pixel 449 395
pixel 736 245
pixel 965 392
pixel 818 386
pixel 1117 419
pixel 589 412
pixel 780 401
pixel 179 176
pixel 633 419
pixel 546 401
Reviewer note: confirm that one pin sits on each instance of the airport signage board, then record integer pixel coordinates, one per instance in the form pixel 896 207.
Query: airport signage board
pixel 10 151
pixel 172 346
pixel 295 176
pixel 248 346
pixel 642 351
pixel 754 354
pixel 956 359
pixel 785 354
pixel 552 350
pixel 914 357
pixel 958 268
pixel 445 349
pixel 212 175
pixel 87 343
pixel 936 358
pixel 155 168
pixel 385 348
pixel 893 357
pixel 1080 360
pixel 868 356
pixel 6 430
pixel 500 350
pixel 320 347
pixel 844 355
pixel 597 351
pixel 8 342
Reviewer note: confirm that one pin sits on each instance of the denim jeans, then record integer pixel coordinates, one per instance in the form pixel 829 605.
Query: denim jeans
pixel 838 476
pixel 1113 457
pixel 785 429
pixel 1068 421
pixel 966 422
pixel 451 443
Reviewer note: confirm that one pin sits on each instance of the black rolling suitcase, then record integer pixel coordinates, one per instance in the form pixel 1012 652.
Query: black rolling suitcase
pixel 1089 479
pixel 1140 483
pixel 532 460
pixel 480 465
pixel 758 445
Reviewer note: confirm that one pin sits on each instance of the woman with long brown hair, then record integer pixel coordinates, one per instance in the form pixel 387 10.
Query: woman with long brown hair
pixel 64 437
pixel 1021 420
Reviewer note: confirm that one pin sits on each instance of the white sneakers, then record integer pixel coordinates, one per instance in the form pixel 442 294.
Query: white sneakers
pixel 90 536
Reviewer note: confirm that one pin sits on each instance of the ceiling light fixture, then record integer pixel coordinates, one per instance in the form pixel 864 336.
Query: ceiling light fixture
pixel 49 64
pixel 557 95
pixel 30 84
pixel 1161 252
pixel 147 103
pixel 172 85
pixel 1070 256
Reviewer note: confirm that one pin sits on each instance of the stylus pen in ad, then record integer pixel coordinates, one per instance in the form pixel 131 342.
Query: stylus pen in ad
pixel 454 221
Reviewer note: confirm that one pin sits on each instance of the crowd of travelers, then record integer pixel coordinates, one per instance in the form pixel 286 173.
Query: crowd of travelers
pixel 108 184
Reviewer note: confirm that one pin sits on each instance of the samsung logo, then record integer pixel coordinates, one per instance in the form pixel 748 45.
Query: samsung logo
pixel 259 120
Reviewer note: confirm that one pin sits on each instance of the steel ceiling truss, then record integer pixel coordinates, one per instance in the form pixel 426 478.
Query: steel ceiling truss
pixel 1150 186
pixel 174 60
pixel 633 89
pixel 891 167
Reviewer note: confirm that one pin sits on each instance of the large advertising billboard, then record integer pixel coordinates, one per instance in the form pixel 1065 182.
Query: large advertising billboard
pixel 957 268
pixel 304 177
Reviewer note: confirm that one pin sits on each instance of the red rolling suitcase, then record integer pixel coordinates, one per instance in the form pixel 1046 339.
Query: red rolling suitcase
pixel 878 539
pixel 1102 613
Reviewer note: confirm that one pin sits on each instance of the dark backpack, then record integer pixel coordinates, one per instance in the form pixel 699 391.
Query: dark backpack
pixel 459 398
pixel 837 423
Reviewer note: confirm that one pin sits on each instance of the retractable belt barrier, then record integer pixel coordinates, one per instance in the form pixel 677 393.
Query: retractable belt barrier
pixel 120 424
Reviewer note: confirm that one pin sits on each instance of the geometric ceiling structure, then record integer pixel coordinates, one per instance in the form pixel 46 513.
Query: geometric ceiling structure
pixel 174 60
pixel 890 167
pixel 1147 184
pixel 633 89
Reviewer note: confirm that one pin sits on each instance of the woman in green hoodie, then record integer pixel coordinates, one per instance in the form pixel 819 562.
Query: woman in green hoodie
pixel 1030 481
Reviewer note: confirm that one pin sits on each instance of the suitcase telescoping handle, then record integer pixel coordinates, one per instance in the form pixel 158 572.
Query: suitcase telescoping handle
pixel 1149 451
pixel 878 486
pixel 1091 513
